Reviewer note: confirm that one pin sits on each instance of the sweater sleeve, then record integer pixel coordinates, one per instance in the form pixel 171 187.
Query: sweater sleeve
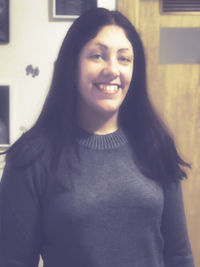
pixel 20 216
pixel 177 250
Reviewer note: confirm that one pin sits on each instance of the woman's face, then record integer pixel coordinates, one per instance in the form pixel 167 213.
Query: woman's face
pixel 105 70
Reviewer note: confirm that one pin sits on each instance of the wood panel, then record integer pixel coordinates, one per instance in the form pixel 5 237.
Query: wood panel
pixel 130 9
pixel 174 90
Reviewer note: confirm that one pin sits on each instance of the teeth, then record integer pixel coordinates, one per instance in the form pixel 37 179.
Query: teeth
pixel 108 88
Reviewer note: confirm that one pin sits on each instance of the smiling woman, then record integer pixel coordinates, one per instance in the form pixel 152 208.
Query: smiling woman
pixel 105 70
pixel 96 181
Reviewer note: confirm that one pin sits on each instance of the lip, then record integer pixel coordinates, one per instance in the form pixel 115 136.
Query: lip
pixel 108 88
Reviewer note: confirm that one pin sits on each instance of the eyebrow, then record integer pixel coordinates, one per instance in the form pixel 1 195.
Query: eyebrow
pixel 105 47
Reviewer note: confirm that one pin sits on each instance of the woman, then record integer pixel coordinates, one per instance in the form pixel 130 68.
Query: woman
pixel 96 181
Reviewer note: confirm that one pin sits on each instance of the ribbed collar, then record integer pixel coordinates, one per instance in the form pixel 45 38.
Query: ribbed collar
pixel 101 142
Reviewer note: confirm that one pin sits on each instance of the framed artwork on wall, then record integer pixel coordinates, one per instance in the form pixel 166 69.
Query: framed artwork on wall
pixel 4 117
pixel 71 9
pixel 4 21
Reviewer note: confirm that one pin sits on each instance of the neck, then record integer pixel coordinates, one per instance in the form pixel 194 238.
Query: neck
pixel 98 123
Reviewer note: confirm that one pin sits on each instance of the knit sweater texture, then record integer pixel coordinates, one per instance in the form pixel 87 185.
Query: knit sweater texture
pixel 110 216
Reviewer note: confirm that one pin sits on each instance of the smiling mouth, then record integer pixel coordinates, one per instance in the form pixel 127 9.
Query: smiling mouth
pixel 108 88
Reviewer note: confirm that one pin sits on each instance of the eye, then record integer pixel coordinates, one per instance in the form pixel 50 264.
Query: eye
pixel 125 59
pixel 96 56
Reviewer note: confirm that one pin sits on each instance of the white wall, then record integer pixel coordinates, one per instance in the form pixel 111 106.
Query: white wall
pixel 33 40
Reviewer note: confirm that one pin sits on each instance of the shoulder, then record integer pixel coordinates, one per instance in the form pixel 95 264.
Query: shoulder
pixel 27 173
pixel 27 149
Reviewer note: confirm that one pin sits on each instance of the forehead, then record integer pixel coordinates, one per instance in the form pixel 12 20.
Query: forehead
pixel 111 36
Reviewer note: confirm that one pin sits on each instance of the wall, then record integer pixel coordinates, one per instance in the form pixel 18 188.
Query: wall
pixel 33 40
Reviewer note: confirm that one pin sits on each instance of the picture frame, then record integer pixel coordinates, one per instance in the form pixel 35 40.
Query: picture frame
pixel 63 10
pixel 4 21
pixel 4 116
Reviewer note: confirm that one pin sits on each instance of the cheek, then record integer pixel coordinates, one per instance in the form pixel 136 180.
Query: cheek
pixel 82 79
pixel 130 75
pixel 84 83
pixel 86 74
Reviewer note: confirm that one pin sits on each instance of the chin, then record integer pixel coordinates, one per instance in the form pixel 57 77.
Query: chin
pixel 108 109
pixel 108 106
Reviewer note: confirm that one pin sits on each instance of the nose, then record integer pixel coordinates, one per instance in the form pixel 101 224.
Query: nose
pixel 111 68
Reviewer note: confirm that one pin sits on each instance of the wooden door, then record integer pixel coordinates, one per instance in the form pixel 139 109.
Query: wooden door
pixel 175 92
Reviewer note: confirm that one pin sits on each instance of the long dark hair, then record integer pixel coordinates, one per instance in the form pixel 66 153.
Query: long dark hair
pixel 153 147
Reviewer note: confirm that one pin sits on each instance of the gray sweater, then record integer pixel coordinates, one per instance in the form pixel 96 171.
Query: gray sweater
pixel 110 216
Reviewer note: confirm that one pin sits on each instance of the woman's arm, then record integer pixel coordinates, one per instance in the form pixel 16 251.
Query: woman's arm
pixel 177 250
pixel 20 214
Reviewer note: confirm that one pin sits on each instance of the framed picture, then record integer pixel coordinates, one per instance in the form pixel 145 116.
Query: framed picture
pixel 71 9
pixel 4 21
pixel 4 117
